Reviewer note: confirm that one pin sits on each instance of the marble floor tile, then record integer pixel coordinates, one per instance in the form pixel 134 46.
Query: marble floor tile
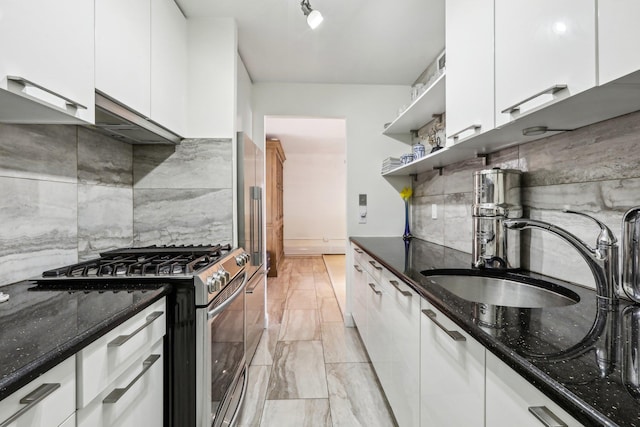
pixel 329 310
pixel 301 281
pixel 275 309
pixel 267 346
pixel 298 371
pixel 255 396
pixel 356 398
pixel 297 413
pixel 301 299
pixel 324 289
pixel 342 344
pixel 277 287
pixel 298 325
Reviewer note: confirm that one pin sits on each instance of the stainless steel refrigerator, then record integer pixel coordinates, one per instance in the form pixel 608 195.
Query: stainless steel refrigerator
pixel 251 224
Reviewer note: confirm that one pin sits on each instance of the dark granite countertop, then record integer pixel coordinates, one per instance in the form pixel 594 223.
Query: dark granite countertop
pixel 573 354
pixel 39 328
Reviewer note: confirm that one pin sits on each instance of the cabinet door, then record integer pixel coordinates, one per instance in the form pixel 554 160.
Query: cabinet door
pixel 618 36
pixel 360 299
pixel 139 400
pixel 168 66
pixel 58 386
pixel 404 319
pixel 451 373
pixel 470 71
pixel 48 43
pixel 510 397
pixel 378 331
pixel 540 46
pixel 123 52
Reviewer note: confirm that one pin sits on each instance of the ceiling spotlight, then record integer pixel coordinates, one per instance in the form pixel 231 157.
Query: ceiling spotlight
pixel 539 130
pixel 314 17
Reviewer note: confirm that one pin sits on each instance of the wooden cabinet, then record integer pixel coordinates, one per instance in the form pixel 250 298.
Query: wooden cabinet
pixel 274 200
pixel 544 51
pixel 56 387
pixel 451 373
pixel 141 58
pixel 120 376
pixel 512 401
pixel 470 68
pixel 48 44
pixel 618 35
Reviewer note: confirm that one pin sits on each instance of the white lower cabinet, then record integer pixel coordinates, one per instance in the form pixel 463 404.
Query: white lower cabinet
pixel 512 401
pixel 134 399
pixel 359 311
pixel 379 331
pixel 451 373
pixel 50 399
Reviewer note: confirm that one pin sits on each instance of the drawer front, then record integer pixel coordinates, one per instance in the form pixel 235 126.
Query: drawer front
pixel 134 399
pixel 104 360
pixel 58 385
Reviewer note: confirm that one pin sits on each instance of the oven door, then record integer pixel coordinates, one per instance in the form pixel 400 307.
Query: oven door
pixel 220 355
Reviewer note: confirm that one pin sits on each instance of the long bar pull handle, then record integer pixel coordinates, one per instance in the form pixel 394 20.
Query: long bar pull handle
pixel 456 135
pixel 358 250
pixel 358 269
pixel 25 82
pixel 31 400
pixel 551 90
pixel 117 393
pixel 546 417
pixel 372 286
pixel 397 286
pixel 260 243
pixel 455 335
pixel 377 267
pixel 257 282
pixel 118 341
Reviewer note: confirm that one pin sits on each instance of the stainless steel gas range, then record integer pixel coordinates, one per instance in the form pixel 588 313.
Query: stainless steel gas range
pixel 206 373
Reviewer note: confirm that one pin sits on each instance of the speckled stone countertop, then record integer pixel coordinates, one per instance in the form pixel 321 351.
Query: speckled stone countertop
pixel 577 355
pixel 39 328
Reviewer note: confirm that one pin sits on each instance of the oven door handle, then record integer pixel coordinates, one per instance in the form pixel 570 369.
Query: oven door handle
pixel 214 312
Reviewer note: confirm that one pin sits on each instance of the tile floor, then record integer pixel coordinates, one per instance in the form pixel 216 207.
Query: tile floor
pixel 310 370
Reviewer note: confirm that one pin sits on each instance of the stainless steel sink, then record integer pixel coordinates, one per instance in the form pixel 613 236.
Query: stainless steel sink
pixel 505 292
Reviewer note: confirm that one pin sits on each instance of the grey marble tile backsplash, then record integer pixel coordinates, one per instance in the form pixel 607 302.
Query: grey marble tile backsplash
pixel 68 193
pixel 594 169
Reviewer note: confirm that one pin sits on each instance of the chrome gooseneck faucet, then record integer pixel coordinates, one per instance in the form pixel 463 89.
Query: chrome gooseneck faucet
pixel 602 260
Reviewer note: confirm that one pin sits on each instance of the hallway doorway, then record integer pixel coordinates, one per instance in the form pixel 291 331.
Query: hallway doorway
pixel 314 181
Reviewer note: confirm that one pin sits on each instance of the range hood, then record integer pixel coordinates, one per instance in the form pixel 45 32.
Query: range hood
pixel 126 125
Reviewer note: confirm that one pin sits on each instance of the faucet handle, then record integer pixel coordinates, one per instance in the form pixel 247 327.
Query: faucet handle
pixel 606 236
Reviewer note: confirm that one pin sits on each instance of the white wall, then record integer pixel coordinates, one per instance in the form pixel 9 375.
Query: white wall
pixel 244 116
pixel 314 202
pixel 366 108
pixel 213 53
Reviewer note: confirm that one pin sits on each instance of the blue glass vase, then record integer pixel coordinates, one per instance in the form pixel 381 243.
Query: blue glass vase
pixel 407 232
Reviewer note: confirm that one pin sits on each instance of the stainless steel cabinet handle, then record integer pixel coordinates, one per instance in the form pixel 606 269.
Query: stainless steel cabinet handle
pixel 31 400
pixel 456 135
pixel 546 417
pixel 358 250
pixel 118 341
pixel 117 393
pixel 372 286
pixel 377 267
pixel 25 82
pixel 358 269
pixel 552 90
pixel 397 286
pixel 455 335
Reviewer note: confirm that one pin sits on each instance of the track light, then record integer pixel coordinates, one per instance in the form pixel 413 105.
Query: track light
pixel 314 17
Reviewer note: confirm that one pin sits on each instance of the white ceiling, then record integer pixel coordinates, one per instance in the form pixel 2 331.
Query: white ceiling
pixel 359 42
pixel 308 135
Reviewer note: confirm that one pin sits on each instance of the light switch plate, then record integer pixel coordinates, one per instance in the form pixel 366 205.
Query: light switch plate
pixel 362 209
pixel 434 211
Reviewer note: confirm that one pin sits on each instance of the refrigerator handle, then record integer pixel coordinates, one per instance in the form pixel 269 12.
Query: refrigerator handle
pixel 260 242
pixel 252 215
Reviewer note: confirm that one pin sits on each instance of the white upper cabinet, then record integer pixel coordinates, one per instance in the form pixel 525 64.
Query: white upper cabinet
pixel 544 51
pixel 618 36
pixel 123 52
pixel 168 66
pixel 46 61
pixel 470 70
